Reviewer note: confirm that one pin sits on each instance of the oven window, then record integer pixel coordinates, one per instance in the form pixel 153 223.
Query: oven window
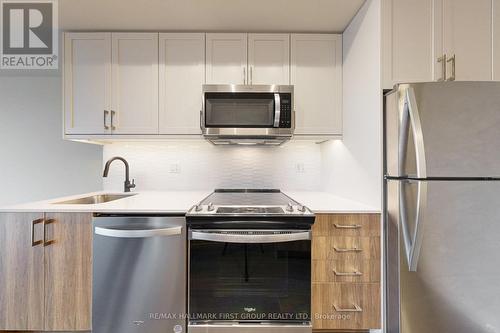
pixel 239 110
pixel 250 282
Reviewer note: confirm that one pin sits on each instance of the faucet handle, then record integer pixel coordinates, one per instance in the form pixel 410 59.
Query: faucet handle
pixel 132 185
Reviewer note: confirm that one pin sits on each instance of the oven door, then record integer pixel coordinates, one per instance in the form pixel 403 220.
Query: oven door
pixel 250 276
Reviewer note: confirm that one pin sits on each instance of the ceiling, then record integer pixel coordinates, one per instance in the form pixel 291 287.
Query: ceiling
pixel 208 15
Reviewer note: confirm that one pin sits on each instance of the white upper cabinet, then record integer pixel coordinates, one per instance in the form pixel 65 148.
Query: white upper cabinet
pixel 438 40
pixel 135 83
pixel 87 83
pixel 408 51
pixel 111 83
pixel 269 59
pixel 226 58
pixel 316 73
pixel 124 85
pixel 182 74
pixel 467 36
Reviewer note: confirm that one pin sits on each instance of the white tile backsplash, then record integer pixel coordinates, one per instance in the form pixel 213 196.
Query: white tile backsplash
pixel 196 165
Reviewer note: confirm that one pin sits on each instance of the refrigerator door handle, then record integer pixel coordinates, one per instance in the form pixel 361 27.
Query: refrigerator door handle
pixel 410 118
pixel 404 128
pixel 418 136
pixel 413 241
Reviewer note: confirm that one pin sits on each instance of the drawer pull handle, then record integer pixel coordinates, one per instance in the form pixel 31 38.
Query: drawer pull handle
pixel 356 308
pixel 354 273
pixel 45 241
pixel 348 226
pixel 33 241
pixel 351 249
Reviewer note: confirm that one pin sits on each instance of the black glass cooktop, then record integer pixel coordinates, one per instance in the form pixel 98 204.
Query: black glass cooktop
pixel 250 210
pixel 247 199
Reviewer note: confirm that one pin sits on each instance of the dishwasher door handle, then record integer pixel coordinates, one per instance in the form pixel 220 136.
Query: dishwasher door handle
pixel 127 233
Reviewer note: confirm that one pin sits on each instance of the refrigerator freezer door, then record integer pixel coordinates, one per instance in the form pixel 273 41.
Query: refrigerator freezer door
pixel 455 288
pixel 459 135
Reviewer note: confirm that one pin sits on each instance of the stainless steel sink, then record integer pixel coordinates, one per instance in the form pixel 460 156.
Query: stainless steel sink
pixel 94 199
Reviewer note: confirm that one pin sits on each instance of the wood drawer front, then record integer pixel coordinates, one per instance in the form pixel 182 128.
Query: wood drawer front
pixel 346 306
pixel 345 248
pixel 357 225
pixel 346 270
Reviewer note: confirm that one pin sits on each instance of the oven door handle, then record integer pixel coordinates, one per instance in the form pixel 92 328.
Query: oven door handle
pixel 249 236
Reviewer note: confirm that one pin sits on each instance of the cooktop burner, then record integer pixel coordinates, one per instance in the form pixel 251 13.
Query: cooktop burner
pixel 250 210
pixel 248 198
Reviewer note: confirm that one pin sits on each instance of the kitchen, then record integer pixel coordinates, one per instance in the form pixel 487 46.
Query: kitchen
pixel 215 218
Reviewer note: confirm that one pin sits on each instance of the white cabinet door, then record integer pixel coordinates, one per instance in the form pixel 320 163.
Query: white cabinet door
pixel 467 34
pixel 182 74
pixel 135 83
pixel 226 58
pixel 407 41
pixel 87 83
pixel 269 59
pixel 316 74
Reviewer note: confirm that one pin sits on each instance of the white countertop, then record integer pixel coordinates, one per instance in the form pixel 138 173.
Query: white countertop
pixel 324 202
pixel 141 202
pixel 180 202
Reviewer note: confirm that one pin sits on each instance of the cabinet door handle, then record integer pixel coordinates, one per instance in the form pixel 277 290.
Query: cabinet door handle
pixel 442 60
pixel 113 127
pixel 353 273
pixel 244 76
pixel 251 74
pixel 45 241
pixel 452 60
pixel 347 226
pixel 106 112
pixel 356 308
pixel 348 249
pixel 33 241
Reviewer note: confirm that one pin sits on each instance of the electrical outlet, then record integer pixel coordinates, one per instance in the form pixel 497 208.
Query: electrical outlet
pixel 174 168
pixel 299 168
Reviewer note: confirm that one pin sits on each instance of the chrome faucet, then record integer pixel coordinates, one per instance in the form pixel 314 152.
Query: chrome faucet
pixel 127 185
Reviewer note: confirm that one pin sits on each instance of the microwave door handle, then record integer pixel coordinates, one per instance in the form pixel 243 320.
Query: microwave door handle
pixel 277 110
pixel 249 238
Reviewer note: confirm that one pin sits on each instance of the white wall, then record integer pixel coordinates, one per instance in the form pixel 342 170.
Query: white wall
pixel 203 166
pixel 35 163
pixel 353 166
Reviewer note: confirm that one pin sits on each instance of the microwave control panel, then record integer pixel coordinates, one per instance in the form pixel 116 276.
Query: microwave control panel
pixel 285 110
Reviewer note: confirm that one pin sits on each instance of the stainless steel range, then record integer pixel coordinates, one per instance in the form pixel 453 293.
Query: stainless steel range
pixel 249 263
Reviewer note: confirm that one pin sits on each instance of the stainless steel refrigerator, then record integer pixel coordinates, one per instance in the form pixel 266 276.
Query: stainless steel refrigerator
pixel 442 207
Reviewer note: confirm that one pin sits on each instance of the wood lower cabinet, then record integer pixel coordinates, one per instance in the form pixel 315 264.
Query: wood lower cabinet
pixel 346 272
pixel 21 271
pixel 68 271
pixel 45 271
pixel 346 306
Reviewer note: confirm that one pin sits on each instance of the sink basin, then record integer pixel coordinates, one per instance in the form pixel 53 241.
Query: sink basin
pixel 94 199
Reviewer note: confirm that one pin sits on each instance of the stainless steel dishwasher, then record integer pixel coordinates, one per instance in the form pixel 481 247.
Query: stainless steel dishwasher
pixel 139 274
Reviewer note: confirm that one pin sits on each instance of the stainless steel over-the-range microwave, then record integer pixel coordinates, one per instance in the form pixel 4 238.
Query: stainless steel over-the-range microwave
pixel 247 114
